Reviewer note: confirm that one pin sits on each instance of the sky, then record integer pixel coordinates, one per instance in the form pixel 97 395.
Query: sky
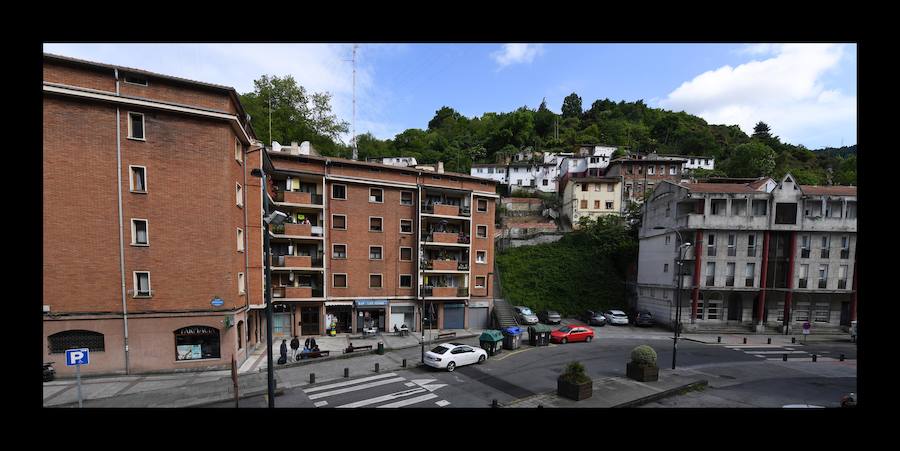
pixel 805 92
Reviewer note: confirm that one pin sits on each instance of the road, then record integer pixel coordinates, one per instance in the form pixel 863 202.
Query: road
pixel 532 370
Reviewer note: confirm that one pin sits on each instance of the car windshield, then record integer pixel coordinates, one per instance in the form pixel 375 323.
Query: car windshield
pixel 439 350
pixel 526 311
pixel 552 314
pixel 565 329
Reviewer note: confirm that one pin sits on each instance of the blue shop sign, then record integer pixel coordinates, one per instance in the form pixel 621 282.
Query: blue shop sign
pixel 370 302
pixel 216 302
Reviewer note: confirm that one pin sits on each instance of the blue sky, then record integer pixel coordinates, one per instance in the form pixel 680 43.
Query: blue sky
pixel 805 92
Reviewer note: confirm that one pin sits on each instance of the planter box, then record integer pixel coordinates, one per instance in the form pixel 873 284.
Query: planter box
pixel 572 391
pixel 292 261
pixel 298 229
pixel 444 265
pixel 446 210
pixel 296 197
pixel 642 373
pixel 444 237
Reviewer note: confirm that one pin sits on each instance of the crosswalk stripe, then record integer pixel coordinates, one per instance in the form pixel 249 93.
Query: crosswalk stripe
pixel 752 346
pixel 344 384
pixel 321 403
pixel 443 402
pixel 408 402
pixel 389 397
pixel 356 387
pixel 778 352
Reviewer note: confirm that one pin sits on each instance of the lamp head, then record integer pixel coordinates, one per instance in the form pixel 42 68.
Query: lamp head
pixel 275 218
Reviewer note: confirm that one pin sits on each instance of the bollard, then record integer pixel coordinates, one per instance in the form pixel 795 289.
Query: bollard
pixel 814 357
pixel 842 357
pixel 718 339
pixel 404 363
pixel 784 357
pixel 769 342
pixel 745 340
pixel 376 367
pixel 793 340
pixel 494 404
pixel 346 372
pixel 312 378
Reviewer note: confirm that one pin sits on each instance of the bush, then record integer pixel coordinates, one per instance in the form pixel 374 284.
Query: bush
pixel 575 374
pixel 643 355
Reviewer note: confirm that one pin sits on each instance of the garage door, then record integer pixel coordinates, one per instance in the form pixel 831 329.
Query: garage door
pixel 478 318
pixel 454 315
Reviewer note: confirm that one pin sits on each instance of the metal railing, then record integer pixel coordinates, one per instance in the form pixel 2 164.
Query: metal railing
pixel 465 210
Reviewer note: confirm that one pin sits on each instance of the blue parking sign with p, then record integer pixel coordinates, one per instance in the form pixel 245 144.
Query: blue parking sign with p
pixel 76 357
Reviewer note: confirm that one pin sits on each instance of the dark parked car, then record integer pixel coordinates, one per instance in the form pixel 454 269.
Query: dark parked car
pixel 593 318
pixel 549 317
pixel 643 318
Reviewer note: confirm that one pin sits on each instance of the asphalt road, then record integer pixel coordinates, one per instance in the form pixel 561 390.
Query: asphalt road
pixel 526 371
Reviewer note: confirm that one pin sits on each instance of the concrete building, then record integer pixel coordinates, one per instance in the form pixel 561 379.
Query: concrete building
pixel 697 162
pixel 540 173
pixel 764 255
pixel 150 220
pixel 591 197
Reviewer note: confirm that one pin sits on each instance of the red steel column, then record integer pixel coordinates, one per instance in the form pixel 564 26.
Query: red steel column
pixel 695 296
pixel 790 281
pixel 855 288
pixel 762 282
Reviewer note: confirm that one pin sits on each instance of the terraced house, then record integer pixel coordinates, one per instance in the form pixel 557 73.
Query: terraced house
pixel 763 254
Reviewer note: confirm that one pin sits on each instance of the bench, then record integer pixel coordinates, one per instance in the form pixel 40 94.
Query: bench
pixel 312 354
pixel 447 334
pixel 357 348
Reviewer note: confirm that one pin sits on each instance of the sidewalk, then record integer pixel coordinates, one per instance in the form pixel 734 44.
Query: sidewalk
pixel 762 339
pixel 200 388
pixel 620 391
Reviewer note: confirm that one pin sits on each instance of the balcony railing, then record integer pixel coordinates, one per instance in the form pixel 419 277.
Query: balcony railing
pixel 297 261
pixel 298 197
pixel 297 229
pixel 447 237
pixel 447 209
pixel 465 210
pixel 297 292
pixel 444 292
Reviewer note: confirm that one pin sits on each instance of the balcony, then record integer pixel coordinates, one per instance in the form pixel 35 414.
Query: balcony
pixel 723 222
pixel 298 197
pixel 297 261
pixel 296 292
pixel 447 238
pixel 445 265
pixel 292 229
pixel 444 292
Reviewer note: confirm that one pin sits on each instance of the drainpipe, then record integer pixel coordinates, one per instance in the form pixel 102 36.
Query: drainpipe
pixel 247 290
pixel 121 226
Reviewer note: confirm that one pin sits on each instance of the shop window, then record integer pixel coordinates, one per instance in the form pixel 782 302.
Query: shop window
pixel 75 339
pixel 197 342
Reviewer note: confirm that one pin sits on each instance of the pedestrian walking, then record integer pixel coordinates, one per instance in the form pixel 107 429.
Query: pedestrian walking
pixel 283 359
pixel 295 345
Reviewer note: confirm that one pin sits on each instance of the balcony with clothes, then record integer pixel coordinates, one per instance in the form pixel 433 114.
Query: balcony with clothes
pixel 300 225
pixel 447 232
pixel 446 202
pixel 445 286
pixel 297 285
pixel 292 191
pixel 445 260
pixel 287 256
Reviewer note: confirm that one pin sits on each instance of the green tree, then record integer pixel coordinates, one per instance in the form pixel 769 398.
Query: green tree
pixel 571 106
pixel 753 159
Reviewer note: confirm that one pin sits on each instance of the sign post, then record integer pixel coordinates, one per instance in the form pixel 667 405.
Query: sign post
pixel 76 358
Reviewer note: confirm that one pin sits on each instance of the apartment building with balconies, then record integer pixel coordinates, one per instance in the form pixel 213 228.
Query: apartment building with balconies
pixel 150 220
pixel 764 254
pixel 398 245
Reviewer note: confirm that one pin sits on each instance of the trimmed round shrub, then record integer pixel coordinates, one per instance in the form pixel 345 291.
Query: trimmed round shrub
pixel 643 355
pixel 574 373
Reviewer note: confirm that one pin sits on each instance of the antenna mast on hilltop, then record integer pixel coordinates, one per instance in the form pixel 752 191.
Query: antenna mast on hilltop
pixel 353 124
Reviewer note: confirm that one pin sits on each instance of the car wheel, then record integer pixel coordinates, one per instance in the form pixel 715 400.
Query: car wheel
pixel 481 359
pixel 588 339
pixel 564 341
pixel 451 366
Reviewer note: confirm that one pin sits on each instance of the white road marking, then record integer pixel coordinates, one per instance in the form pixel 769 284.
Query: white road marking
pixel 344 384
pixel 779 352
pixel 356 387
pixel 421 382
pixel 760 356
pixel 443 402
pixel 408 402
pixel 321 403
pixel 751 346
pixel 410 384
pixel 378 399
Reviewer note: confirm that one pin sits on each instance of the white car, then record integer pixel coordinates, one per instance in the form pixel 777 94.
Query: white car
pixel 452 355
pixel 616 317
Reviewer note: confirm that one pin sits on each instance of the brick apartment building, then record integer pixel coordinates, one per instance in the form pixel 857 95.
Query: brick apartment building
pixel 148 216
pixel 641 175
pixel 366 244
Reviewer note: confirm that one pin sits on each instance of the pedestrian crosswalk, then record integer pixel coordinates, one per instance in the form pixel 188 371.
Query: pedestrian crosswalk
pixel 776 352
pixel 380 391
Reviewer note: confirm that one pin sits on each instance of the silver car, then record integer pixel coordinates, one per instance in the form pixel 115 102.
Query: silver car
pixel 525 315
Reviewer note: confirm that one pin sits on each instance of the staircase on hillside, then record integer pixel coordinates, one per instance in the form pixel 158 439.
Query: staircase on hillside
pixel 504 315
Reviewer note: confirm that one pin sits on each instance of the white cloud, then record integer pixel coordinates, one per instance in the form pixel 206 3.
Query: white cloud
pixel 786 91
pixel 517 53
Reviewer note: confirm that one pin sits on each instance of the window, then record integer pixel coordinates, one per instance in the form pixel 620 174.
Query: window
pixel 666 267
pixel 240 240
pixel 374 224
pixel 139 234
pixel 801 312
pixel 821 312
pixel 196 342
pixel 481 231
pixel 729 274
pixel 339 251
pixel 584 186
pixel 804 273
pixel 374 280
pixel 376 195
pixel 823 276
pixel 610 187
pixel 842 277
pixel 405 281
pixel 238 151
pixel 711 245
pixel 339 192
pixel 699 310
pixel 406 198
pixel 845 247
pixel 339 280
pixel 241 286
pixel 609 205
pixel 239 195
pixel 596 205
pixel 406 254
pixel 406 226
pixel 668 239
pixel 75 339
pixel 480 256
pixel 732 245
pixel 584 204
pixel 826 245
pixel 672 170
pixel 851 210
pixel 713 309
pixel 717 206
pixel 142 284
pixel 750 274
pixel 138 180
pixel 760 207
pixel 544 182
pixel 751 245
pixel 135 80
pixel 598 187
pixel 136 126
pixel 650 170
pixel 804 246
pixel 482 205
pixel 375 253
pixel 479 281
pixel 339 222
pixel 785 213
pixel 710 274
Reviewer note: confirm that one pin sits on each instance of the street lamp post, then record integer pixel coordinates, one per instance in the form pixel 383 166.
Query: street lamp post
pixel 679 263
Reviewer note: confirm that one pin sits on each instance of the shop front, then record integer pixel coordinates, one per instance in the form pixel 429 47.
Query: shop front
pixel 310 315
pixel 403 314
pixel 432 315
pixel 338 317
pixel 371 313
pixel 282 319
pixel 454 315
pixel 478 315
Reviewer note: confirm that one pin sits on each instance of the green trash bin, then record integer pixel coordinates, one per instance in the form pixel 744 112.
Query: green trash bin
pixel 491 341
pixel 539 335
pixel 380 348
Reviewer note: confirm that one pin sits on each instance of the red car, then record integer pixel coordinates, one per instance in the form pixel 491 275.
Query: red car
pixel 571 334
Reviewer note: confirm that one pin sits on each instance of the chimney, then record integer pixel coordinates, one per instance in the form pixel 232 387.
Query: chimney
pixel 304 148
pixel 440 167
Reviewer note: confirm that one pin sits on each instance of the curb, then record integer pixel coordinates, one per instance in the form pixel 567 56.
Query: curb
pixel 662 394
